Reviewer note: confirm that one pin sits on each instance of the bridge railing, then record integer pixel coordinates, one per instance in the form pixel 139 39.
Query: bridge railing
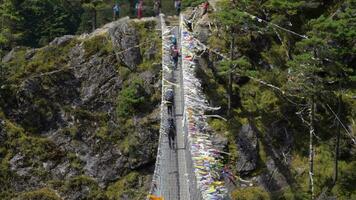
pixel 156 186
pixel 203 166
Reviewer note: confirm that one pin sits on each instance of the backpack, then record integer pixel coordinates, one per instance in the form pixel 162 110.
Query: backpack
pixel 171 124
pixel 169 96
pixel 174 40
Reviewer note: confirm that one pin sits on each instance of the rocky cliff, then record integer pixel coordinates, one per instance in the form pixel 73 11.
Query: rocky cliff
pixel 79 118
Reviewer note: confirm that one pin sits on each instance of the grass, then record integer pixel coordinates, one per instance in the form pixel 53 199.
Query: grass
pixel 45 59
pixel 99 45
pixel 250 193
pixel 131 186
pixel 40 194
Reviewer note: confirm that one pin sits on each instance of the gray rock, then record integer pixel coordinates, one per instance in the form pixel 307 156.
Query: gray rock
pixel 125 38
pixel 11 55
pixel 219 141
pixel 247 145
pixel 61 40
pixel 17 162
pixel 30 53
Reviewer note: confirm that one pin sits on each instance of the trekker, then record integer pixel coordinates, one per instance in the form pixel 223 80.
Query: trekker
pixel 169 98
pixel 157 7
pixel 227 174
pixel 175 55
pixel 116 11
pixel 177 6
pixel 139 7
pixel 174 40
pixel 171 133
pixel 189 25
pixel 205 7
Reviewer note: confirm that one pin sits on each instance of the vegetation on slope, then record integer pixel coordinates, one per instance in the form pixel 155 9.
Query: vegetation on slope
pixel 40 110
pixel 312 102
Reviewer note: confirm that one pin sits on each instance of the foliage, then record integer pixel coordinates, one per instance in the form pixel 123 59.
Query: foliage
pixel 191 3
pixel 251 193
pixel 128 186
pixel 40 194
pixel 319 67
pixel 35 23
pixel 85 185
pixel 42 60
pixel 130 98
pixel 100 44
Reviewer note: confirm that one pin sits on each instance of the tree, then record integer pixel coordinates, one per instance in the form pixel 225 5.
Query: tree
pixel 93 6
pixel 305 82
pixel 338 30
pixel 36 22
pixel 10 17
pixel 233 22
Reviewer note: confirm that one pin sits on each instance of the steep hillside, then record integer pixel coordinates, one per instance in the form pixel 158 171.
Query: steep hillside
pixel 79 117
pixel 289 99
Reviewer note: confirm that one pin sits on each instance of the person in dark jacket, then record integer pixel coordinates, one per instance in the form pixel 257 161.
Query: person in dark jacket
pixel 175 55
pixel 171 133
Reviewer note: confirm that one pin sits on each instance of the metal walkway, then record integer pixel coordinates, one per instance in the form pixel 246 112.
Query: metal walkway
pixel 170 179
pixel 187 171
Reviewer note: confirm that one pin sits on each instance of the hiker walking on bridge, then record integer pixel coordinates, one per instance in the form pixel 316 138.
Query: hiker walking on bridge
pixel 175 55
pixel 177 6
pixel 171 133
pixel 169 98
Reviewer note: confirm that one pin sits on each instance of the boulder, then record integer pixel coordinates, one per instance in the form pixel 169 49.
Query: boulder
pixel 125 38
pixel 247 146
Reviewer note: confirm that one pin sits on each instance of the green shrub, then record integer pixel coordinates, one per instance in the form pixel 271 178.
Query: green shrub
pixel 79 183
pixel 129 186
pixel 41 194
pixel 191 3
pixel 250 193
pixel 99 44
pixel 45 59
pixel 37 148
pixel 130 98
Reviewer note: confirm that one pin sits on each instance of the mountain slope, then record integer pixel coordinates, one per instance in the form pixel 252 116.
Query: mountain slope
pixel 79 117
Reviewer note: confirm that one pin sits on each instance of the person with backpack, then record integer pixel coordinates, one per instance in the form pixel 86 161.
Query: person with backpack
pixel 139 8
pixel 116 11
pixel 174 40
pixel 171 133
pixel 157 7
pixel 205 7
pixel 169 98
pixel 177 6
pixel 175 55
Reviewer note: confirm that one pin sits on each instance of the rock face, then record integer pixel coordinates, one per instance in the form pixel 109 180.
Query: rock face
pixel 125 37
pixel 61 125
pixel 247 145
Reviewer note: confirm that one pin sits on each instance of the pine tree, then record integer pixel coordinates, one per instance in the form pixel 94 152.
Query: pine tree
pixel 93 6
pixel 10 17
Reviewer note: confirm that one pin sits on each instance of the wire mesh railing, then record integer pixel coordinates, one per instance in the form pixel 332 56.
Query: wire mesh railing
pixel 156 185
pixel 203 160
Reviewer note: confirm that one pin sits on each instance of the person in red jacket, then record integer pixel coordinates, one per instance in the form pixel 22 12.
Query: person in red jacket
pixel 139 9
pixel 205 7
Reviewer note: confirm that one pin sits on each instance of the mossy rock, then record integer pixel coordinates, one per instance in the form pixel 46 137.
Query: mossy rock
pixel 100 44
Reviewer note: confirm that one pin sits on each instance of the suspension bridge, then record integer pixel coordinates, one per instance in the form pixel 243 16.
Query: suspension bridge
pixel 191 170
